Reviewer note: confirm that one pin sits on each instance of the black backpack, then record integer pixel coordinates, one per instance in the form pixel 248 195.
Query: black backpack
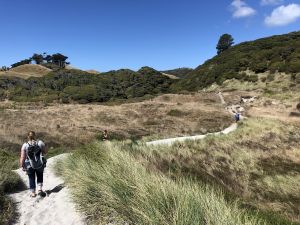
pixel 35 156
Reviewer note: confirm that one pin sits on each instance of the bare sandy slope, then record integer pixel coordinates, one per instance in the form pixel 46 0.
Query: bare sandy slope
pixel 55 209
pixel 171 76
pixel 26 71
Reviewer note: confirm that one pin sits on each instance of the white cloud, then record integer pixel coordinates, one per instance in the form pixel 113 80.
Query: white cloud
pixel 271 2
pixel 241 9
pixel 283 15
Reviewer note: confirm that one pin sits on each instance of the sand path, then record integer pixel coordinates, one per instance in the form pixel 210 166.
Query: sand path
pixel 231 109
pixel 55 209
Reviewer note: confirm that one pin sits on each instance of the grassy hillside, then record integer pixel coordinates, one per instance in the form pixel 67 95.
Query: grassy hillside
pixel 75 85
pixel 231 179
pixel 275 54
pixel 26 71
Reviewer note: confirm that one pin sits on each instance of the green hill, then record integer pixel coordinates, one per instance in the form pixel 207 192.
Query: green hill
pixel 179 72
pixel 279 53
pixel 75 85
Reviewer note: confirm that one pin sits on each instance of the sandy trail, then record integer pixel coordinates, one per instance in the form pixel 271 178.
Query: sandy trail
pixel 221 97
pixel 231 109
pixel 171 141
pixel 55 209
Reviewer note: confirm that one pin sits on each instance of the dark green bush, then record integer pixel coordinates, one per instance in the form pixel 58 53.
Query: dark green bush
pixel 252 78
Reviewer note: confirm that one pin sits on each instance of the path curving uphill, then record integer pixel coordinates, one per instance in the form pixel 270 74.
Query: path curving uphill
pixel 55 209
pixel 171 141
pixel 232 109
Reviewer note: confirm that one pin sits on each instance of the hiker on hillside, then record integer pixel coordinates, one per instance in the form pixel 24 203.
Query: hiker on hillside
pixel 33 162
pixel 237 117
pixel 105 135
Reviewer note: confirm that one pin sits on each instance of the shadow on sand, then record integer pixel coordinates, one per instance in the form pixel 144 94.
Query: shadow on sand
pixel 57 189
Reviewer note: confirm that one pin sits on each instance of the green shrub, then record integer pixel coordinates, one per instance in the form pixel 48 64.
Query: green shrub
pixel 252 78
pixel 294 66
pixel 260 67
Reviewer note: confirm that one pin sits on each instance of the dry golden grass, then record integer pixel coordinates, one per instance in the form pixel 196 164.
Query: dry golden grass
pixel 111 186
pixel 26 71
pixel 259 162
pixel 74 124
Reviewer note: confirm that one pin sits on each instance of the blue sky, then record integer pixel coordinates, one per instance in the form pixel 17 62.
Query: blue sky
pixel 113 34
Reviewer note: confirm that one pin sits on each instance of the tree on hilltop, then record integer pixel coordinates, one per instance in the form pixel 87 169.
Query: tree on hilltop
pixel 225 42
pixel 48 58
pixel 38 58
pixel 22 62
pixel 59 60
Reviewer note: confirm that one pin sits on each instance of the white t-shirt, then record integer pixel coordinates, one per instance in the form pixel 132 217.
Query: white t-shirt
pixel 25 147
pixel 40 143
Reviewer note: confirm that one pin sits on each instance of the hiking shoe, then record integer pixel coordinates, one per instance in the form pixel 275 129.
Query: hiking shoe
pixel 41 194
pixel 33 195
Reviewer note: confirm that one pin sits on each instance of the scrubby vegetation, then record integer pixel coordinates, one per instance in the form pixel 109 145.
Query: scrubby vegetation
pixel 180 72
pixel 230 179
pixel 75 85
pixel 9 182
pixel 277 53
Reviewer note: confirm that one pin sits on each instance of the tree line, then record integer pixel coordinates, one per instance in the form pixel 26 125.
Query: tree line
pixel 57 59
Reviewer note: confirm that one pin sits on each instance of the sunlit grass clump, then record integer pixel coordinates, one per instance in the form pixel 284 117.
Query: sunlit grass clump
pixel 9 182
pixel 110 185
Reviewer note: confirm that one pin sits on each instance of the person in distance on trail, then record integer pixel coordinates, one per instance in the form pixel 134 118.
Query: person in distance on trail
pixel 32 161
pixel 105 135
pixel 237 116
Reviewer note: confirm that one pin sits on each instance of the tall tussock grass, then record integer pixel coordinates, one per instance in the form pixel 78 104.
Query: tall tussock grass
pixel 110 185
pixel 193 182
pixel 259 162
pixel 9 182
